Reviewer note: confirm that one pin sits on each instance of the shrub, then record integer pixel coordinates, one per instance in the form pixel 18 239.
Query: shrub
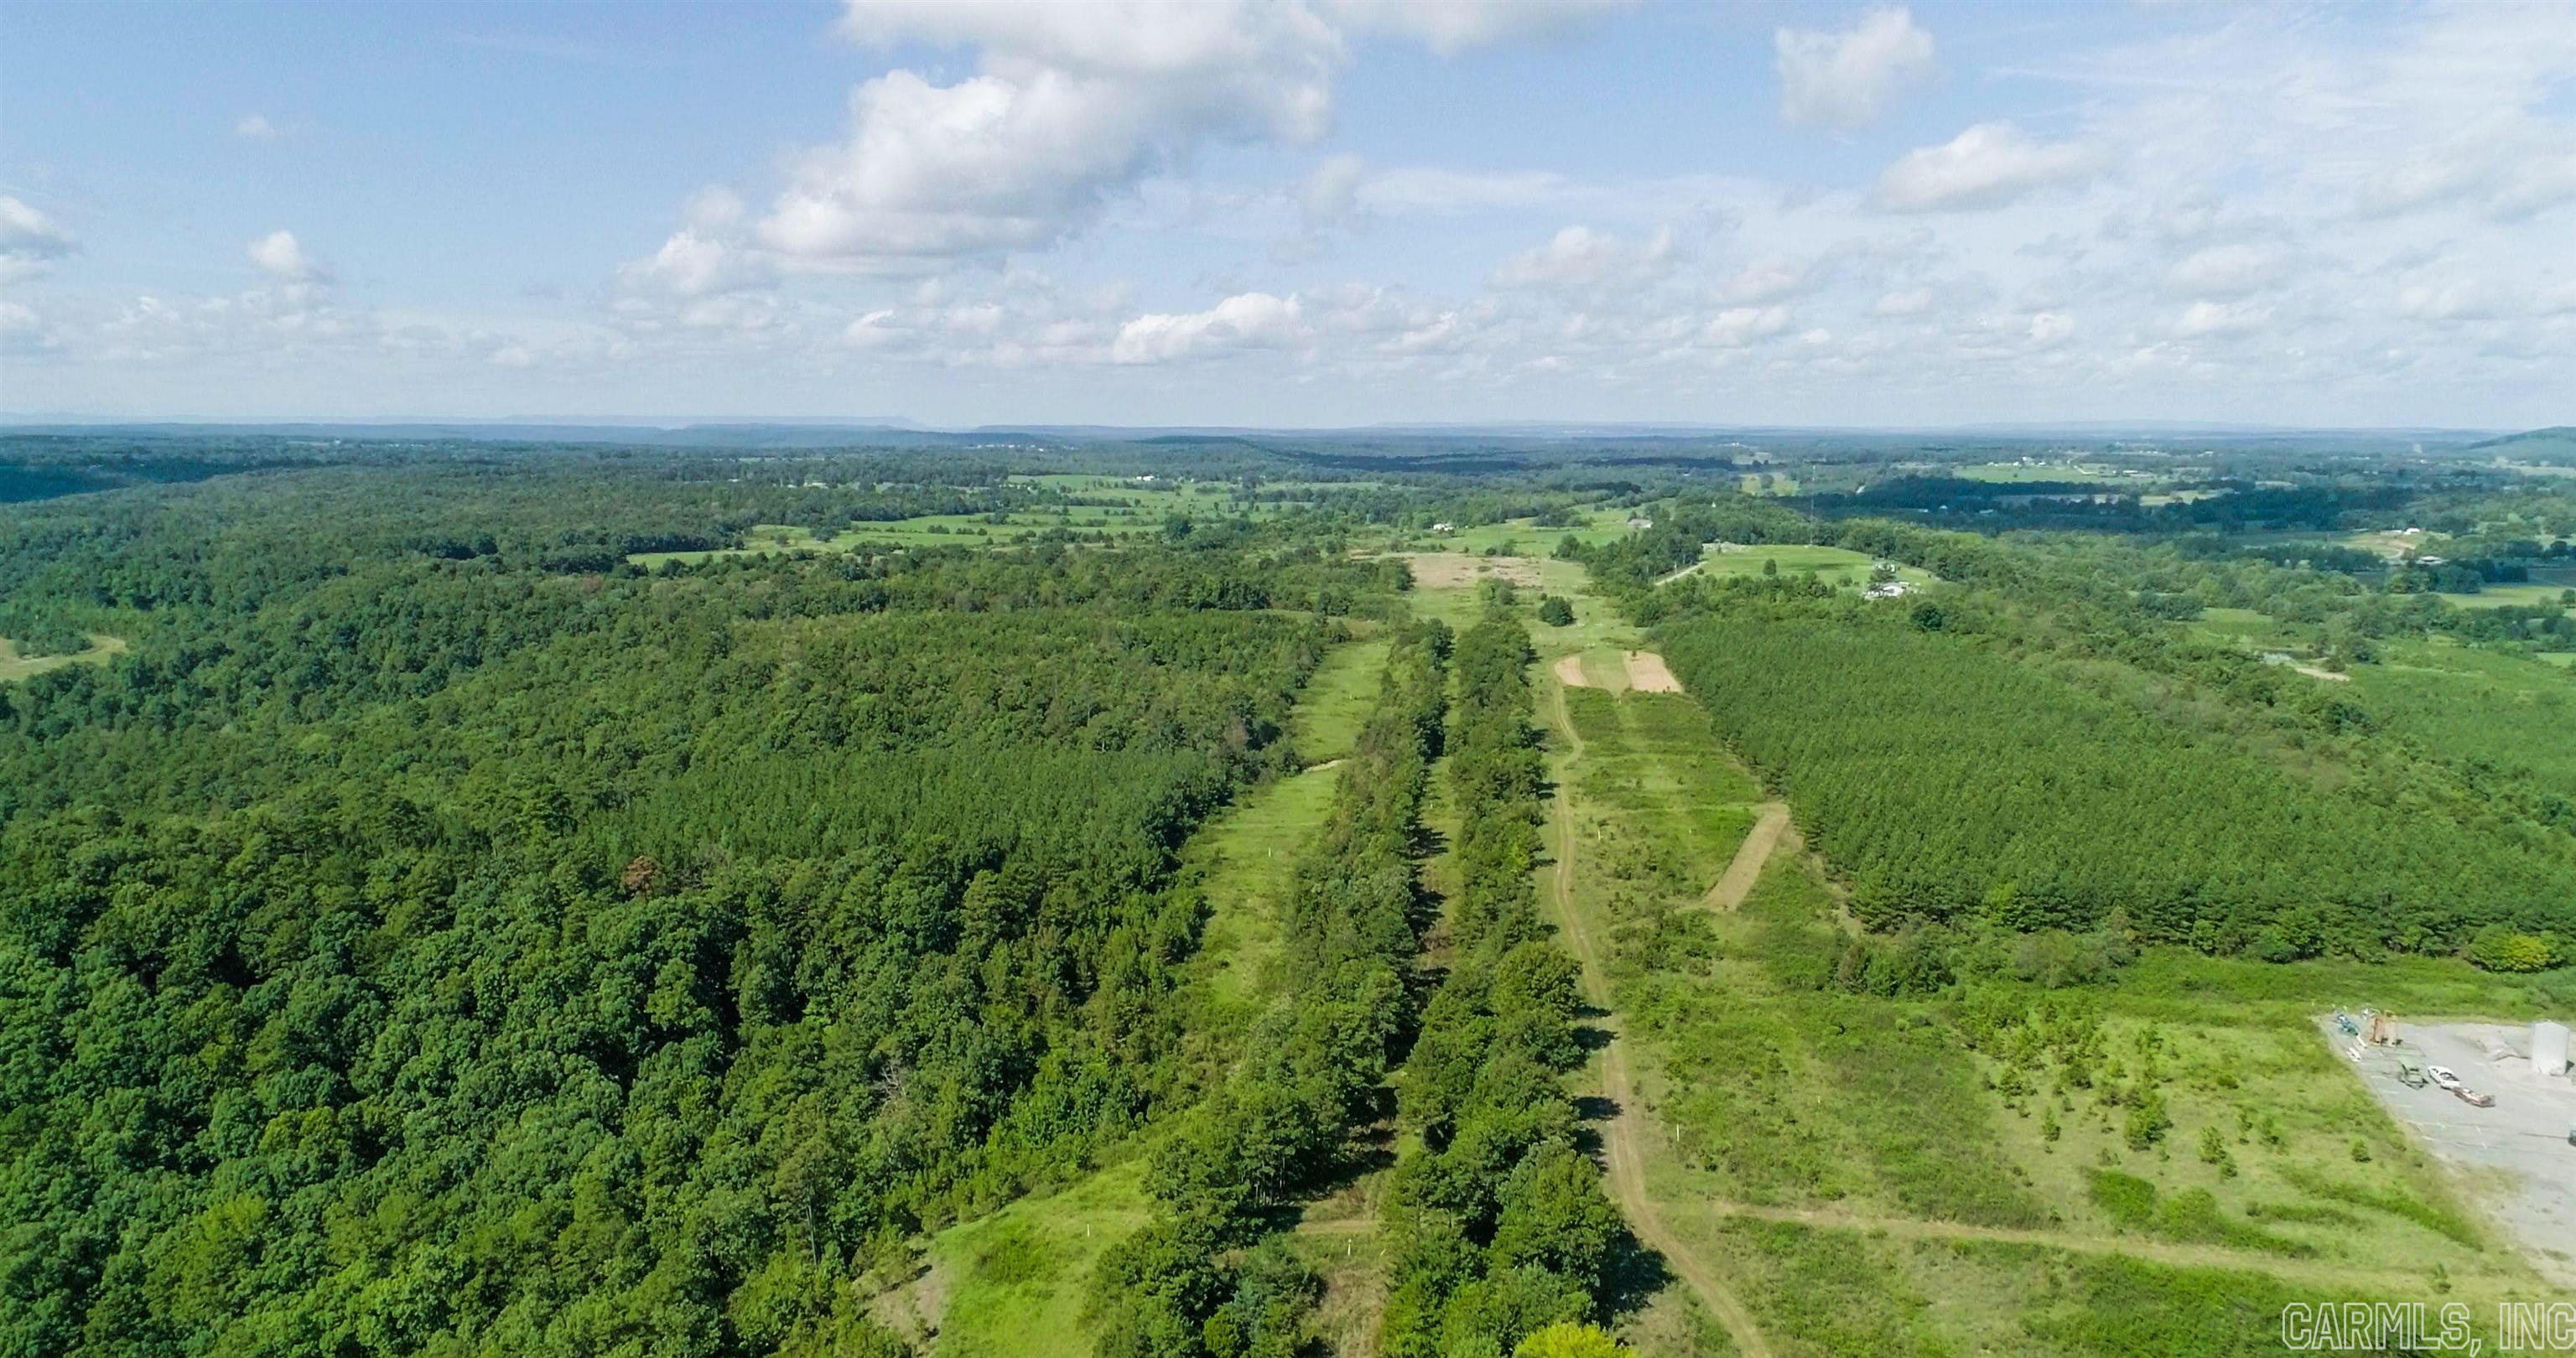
pixel 2496 948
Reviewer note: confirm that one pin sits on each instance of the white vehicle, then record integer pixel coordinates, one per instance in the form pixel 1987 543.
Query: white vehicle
pixel 2442 1076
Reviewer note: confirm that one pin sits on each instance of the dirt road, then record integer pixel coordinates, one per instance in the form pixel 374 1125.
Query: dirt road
pixel 1624 1137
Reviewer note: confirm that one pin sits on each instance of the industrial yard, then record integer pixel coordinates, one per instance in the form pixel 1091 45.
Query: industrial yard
pixel 2517 1156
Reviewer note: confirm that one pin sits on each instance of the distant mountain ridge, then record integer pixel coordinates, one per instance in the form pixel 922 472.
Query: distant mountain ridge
pixel 2556 441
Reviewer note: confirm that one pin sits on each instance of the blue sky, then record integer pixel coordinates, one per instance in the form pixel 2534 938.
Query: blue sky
pixel 1303 212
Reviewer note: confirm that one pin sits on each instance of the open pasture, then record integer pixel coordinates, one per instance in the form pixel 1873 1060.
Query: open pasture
pixel 1838 566
pixel 2025 471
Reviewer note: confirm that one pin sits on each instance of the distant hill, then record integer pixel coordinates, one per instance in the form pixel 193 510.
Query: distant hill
pixel 2557 443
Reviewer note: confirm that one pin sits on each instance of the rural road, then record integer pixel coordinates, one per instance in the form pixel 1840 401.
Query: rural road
pixel 1623 1139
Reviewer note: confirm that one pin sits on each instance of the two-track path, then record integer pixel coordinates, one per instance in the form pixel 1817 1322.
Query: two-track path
pixel 1625 1137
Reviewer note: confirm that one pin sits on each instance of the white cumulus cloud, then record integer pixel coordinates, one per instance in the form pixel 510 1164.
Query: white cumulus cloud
pixel 1581 257
pixel 282 257
pixel 254 127
pixel 1848 78
pixel 1988 165
pixel 1246 320
pixel 29 241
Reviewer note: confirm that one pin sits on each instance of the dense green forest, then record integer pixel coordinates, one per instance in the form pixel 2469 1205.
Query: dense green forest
pixel 408 952
pixel 1950 780
pixel 476 898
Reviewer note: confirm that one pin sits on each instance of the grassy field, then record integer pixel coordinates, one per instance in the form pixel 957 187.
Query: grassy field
pixel 1336 700
pixel 1239 860
pixel 1012 1283
pixel 1834 565
pixel 2246 628
pixel 2497 596
pixel 1129 507
pixel 1524 537
pixel 102 648
pixel 2016 473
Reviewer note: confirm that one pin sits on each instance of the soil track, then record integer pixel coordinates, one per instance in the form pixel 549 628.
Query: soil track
pixel 1737 882
pixel 1623 1138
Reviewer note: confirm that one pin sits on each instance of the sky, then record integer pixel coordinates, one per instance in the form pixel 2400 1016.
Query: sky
pixel 1293 213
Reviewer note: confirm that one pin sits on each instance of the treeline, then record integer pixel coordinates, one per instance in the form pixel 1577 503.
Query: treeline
pixel 1950 780
pixel 1494 1222
pixel 1313 1066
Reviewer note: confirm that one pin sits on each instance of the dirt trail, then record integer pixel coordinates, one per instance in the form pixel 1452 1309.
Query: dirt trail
pixel 2320 1271
pixel 1770 821
pixel 1625 1134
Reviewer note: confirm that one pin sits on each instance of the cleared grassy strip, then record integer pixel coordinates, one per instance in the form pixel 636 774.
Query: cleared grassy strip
pixel 1336 701
pixel 1013 1284
pixel 1244 864
pixel 102 648
pixel 1839 566
pixel 1016 1282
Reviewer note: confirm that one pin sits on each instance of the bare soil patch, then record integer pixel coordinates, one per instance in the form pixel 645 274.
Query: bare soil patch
pixel 1768 828
pixel 1569 672
pixel 1458 570
pixel 1648 674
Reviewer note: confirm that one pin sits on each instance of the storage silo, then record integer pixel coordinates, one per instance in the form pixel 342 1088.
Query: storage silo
pixel 2549 1049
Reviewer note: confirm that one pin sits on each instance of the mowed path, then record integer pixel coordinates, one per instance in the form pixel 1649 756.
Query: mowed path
pixel 1626 1134
pixel 1624 1138
pixel 2323 1272
pixel 1771 820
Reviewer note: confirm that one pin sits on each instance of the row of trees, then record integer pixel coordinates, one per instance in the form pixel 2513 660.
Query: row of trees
pixel 1313 1067
pixel 1495 1223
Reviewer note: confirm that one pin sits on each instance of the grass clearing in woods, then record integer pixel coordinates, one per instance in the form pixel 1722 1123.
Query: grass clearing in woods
pixel 102 648
pixel 1013 1283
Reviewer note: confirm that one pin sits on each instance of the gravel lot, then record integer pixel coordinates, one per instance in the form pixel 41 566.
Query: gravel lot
pixel 2525 1134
